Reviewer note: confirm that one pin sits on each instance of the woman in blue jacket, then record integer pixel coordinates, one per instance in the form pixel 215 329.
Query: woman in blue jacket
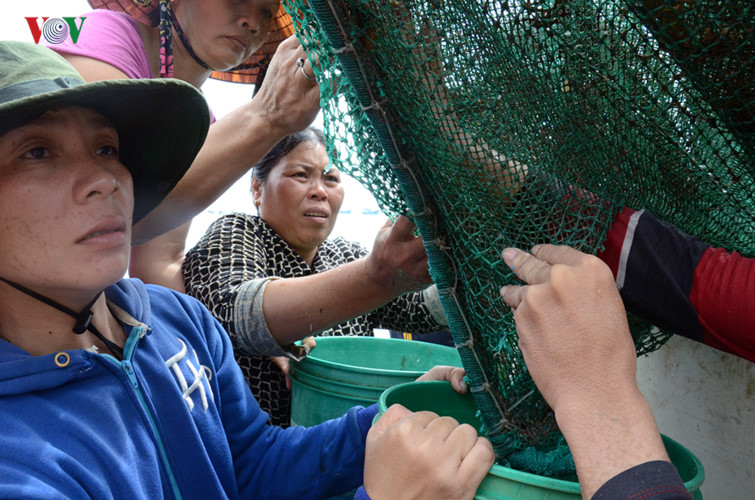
pixel 113 389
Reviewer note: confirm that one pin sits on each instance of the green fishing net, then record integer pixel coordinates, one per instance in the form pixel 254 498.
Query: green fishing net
pixel 509 123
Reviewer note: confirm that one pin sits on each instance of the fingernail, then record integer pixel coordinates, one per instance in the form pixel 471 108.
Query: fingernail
pixel 462 387
pixel 509 254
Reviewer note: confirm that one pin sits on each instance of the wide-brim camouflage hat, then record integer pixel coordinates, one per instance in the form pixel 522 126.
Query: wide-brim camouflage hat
pixel 147 13
pixel 156 147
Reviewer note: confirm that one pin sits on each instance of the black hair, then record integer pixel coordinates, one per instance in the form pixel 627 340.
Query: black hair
pixel 288 143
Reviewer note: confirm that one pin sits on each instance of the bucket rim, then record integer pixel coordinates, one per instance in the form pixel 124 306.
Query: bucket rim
pixel 313 360
pixel 310 378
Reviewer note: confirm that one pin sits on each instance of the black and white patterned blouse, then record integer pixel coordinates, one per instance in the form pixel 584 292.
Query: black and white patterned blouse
pixel 228 270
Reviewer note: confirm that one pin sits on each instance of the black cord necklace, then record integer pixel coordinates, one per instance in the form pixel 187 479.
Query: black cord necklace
pixel 184 40
pixel 83 318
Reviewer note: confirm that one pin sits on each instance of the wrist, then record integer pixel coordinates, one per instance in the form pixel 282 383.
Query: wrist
pixel 610 397
pixel 265 119
pixel 607 437
pixel 377 279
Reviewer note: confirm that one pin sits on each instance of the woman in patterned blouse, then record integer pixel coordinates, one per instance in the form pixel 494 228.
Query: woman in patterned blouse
pixel 275 278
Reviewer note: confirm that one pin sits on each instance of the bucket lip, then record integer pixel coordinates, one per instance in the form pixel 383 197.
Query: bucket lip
pixel 690 485
pixel 529 478
pixel 694 483
pixel 369 370
pixel 425 383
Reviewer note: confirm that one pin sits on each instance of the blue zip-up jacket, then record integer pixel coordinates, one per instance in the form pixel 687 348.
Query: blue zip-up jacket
pixel 174 419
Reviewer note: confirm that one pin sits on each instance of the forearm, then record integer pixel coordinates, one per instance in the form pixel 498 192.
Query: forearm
pixel 159 260
pixel 234 144
pixel 682 284
pixel 297 307
pixel 285 103
pixel 610 437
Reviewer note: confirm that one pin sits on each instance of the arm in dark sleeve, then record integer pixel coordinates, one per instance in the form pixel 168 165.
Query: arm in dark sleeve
pixel 682 284
pixel 657 480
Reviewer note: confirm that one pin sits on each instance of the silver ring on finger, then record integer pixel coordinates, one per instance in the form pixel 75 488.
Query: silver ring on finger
pixel 301 68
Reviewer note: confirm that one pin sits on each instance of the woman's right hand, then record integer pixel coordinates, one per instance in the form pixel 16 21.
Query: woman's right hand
pixel 398 261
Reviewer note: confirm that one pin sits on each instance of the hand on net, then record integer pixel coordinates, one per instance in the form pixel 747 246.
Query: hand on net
pixel 398 261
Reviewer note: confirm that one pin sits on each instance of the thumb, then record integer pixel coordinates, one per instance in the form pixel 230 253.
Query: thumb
pixel 404 224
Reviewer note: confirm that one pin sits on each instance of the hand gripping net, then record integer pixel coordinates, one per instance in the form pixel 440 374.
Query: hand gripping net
pixel 508 123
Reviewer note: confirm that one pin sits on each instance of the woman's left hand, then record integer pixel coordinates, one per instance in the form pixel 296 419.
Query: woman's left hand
pixel 452 374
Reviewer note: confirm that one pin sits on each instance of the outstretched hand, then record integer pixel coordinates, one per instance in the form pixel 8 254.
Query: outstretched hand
pixel 424 456
pixel 574 337
pixel 398 261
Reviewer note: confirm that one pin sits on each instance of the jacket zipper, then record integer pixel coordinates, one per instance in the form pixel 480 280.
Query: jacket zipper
pixel 136 334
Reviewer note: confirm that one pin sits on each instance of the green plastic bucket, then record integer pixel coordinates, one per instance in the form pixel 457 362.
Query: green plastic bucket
pixel 343 372
pixel 504 482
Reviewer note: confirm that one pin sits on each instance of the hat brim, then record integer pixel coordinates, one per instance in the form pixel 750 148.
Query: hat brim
pixel 254 67
pixel 161 126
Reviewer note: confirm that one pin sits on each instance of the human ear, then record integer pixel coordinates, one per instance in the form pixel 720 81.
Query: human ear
pixel 256 191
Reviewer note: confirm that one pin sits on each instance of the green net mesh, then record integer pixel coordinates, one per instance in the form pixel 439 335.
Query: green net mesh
pixel 509 123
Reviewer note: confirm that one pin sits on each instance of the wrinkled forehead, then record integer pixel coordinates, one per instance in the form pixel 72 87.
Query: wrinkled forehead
pixel 314 150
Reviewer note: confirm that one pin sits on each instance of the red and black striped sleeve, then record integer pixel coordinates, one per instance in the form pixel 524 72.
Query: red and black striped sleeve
pixel 682 284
